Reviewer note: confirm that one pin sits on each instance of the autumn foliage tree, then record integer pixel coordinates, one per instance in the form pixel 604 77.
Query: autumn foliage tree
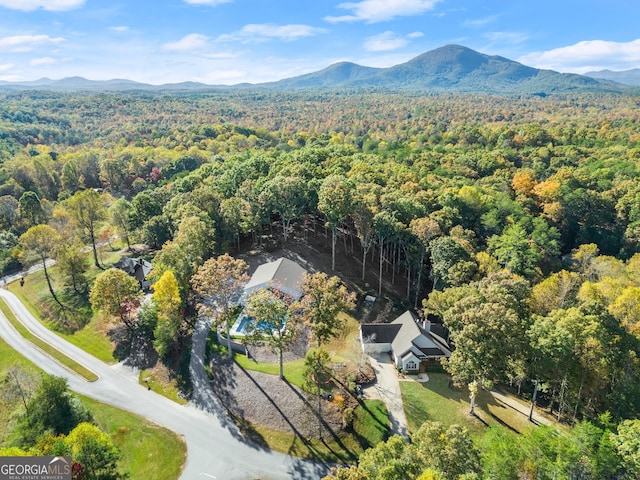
pixel 218 282
pixel 42 241
pixel 111 291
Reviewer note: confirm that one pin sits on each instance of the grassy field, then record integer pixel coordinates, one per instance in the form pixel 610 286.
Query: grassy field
pixel 45 347
pixel 436 401
pixel 36 297
pixel 148 451
pixel 292 370
pixel 158 380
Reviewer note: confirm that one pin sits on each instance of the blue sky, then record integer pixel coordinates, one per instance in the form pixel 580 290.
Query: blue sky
pixel 234 41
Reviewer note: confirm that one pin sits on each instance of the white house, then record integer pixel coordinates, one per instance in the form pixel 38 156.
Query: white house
pixel 412 343
pixel 283 275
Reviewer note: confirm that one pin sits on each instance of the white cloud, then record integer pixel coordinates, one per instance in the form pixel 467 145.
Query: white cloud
pixel 222 55
pixel 211 3
pixel 119 28
pixel 259 32
pixel 586 56
pixel 480 22
pixel 52 5
pixel 505 38
pixel 26 43
pixel 384 42
pixel 36 62
pixel 372 11
pixel 5 67
pixel 415 35
pixel 193 41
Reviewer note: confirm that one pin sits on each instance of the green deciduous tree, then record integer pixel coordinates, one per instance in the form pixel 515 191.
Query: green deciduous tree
pixel 324 299
pixel 87 208
pixel 73 265
pixel 166 297
pixel 335 202
pixel 30 209
pixel 287 197
pixel 42 241
pixel 52 409
pixel 94 451
pixel 627 444
pixel 120 216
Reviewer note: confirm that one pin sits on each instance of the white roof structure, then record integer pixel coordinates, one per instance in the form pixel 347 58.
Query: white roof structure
pixel 282 274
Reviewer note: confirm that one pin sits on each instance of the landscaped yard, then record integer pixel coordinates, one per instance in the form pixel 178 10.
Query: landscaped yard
pixel 45 347
pixel 436 400
pixel 280 415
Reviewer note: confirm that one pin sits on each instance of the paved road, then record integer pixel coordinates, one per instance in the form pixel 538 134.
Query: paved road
pixel 215 450
pixel 387 389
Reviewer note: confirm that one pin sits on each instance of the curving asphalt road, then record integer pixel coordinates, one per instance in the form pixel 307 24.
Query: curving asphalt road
pixel 215 448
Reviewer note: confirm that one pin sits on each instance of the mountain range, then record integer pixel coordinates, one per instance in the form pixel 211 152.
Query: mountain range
pixel 451 68
pixel 626 77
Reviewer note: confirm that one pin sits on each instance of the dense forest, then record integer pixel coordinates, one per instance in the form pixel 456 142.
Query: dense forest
pixel 513 220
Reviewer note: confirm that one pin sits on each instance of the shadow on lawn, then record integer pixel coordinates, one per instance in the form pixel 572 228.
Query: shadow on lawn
pixel 325 428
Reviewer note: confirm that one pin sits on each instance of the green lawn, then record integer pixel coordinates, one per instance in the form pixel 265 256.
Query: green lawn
pixel 436 401
pixel 148 451
pixel 292 370
pixel 45 347
pixel 36 297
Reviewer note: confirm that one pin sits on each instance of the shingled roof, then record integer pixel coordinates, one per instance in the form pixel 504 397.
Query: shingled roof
pixel 406 336
pixel 283 274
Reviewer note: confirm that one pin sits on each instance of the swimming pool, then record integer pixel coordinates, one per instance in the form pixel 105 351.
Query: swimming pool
pixel 241 325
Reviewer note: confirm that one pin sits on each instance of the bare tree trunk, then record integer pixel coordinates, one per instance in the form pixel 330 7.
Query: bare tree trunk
pixel 575 410
pixel 563 388
pixel 419 281
pixel 46 276
pixel 227 327
pixel 381 259
pixel 364 261
pixel 95 249
pixel 333 248
pixel 533 400
pixel 408 281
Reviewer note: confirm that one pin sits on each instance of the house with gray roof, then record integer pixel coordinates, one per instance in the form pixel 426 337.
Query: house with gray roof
pixel 138 268
pixel 283 275
pixel 412 343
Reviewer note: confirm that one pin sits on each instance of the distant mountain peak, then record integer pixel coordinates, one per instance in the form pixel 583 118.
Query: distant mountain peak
pixel 450 68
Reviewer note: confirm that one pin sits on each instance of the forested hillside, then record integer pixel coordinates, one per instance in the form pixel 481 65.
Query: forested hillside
pixel 515 219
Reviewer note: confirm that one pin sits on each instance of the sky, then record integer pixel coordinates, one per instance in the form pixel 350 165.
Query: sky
pixel 236 41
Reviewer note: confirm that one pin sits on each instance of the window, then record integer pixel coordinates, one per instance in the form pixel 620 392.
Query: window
pixel 411 365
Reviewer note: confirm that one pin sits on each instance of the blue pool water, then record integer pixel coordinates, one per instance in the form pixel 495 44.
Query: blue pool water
pixel 245 321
